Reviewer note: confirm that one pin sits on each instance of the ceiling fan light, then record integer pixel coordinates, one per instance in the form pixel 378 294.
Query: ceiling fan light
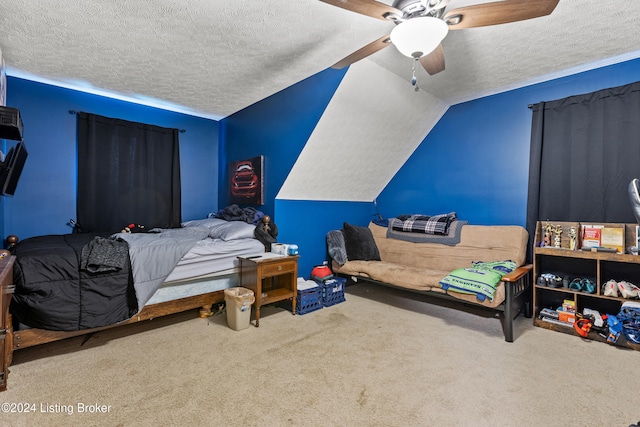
pixel 417 37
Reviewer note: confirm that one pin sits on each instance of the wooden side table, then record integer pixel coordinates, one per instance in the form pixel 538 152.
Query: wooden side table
pixel 272 278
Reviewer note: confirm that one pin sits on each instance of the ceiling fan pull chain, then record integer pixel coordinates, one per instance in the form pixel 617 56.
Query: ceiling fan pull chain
pixel 414 79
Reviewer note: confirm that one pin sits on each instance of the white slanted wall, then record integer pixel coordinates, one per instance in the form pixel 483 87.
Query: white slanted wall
pixel 372 125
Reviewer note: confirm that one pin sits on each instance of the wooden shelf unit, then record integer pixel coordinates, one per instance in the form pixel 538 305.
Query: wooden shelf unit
pixel 597 266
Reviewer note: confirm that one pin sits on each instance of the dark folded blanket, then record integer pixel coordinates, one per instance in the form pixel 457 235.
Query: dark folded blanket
pixel 450 239
pixel 236 213
pixel 101 255
pixel 53 292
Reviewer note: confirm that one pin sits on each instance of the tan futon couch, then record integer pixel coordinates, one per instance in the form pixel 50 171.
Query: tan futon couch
pixel 421 266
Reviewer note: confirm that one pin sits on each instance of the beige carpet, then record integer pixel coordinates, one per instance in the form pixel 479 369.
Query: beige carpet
pixel 381 358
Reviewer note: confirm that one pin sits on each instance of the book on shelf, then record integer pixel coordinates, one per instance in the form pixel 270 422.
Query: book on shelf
pixel 556 321
pixel 558 317
pixel 547 312
pixel 591 235
pixel 569 305
pixel 612 237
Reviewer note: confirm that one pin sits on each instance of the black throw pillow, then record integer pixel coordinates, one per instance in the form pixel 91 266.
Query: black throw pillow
pixel 359 243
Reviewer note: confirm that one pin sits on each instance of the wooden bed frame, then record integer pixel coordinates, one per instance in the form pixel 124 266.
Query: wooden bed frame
pixel 16 340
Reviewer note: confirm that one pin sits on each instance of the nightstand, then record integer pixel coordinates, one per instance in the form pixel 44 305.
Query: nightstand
pixel 271 277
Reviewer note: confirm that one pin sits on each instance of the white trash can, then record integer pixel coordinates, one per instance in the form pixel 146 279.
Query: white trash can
pixel 238 301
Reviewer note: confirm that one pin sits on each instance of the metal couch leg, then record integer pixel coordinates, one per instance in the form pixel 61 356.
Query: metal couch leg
pixel 508 312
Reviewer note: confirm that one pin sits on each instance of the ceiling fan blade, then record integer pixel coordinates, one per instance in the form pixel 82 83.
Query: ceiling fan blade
pixel 498 12
pixel 434 62
pixel 368 8
pixel 362 53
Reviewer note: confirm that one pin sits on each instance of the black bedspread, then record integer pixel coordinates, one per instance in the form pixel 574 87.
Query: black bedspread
pixel 53 292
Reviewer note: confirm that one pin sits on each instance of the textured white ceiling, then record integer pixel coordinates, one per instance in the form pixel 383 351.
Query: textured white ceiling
pixel 375 120
pixel 211 58
pixel 578 35
pixel 367 133
pixel 214 58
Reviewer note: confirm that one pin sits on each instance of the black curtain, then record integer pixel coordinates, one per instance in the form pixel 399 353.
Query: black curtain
pixel 127 173
pixel 585 150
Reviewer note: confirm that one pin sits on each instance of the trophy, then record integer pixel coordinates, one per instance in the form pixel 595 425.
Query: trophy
pixel 557 235
pixel 547 235
pixel 573 238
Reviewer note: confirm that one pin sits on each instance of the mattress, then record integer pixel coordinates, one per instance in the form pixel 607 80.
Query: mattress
pixel 171 291
pixel 211 256
pixel 211 265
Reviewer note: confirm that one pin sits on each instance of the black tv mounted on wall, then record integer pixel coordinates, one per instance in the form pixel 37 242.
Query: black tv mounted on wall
pixel 11 166
pixel 10 123
pixel 11 169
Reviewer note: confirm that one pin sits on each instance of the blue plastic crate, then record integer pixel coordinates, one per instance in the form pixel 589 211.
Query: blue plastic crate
pixel 309 300
pixel 333 291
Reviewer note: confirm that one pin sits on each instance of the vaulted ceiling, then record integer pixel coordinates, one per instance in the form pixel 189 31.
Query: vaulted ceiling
pixel 214 58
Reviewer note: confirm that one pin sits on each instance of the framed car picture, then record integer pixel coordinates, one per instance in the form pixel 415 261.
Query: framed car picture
pixel 246 181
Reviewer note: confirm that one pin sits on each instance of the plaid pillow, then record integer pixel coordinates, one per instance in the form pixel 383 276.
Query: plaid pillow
pixel 436 224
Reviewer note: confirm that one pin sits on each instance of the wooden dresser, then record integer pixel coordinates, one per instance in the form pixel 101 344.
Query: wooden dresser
pixel 6 290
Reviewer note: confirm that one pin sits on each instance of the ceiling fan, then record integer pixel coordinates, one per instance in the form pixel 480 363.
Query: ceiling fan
pixel 422 24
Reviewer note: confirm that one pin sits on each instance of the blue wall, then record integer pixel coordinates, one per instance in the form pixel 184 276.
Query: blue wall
pixel 475 161
pixel 45 198
pixel 306 224
pixel 278 128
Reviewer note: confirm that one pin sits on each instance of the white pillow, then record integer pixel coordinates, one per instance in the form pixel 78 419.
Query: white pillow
pixel 207 222
pixel 232 230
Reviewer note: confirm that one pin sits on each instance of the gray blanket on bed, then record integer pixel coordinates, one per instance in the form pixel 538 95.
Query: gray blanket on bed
pixel 154 255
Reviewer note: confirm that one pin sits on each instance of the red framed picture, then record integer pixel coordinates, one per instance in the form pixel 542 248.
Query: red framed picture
pixel 246 181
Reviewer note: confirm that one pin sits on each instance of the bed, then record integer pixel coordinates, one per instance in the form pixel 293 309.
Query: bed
pixel 61 290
